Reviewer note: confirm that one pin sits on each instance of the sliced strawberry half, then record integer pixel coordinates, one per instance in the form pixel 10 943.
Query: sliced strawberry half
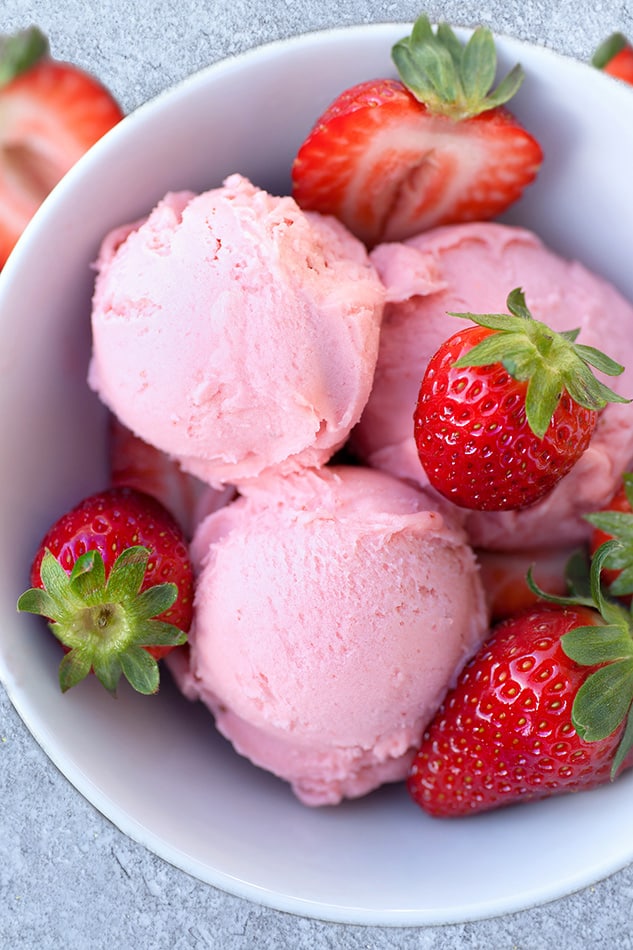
pixel 391 158
pixel 50 114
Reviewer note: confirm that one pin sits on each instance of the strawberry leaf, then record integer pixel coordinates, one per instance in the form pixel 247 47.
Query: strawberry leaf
pixel 161 634
pixel 56 580
pixel 87 577
pixel 581 597
pixel 603 700
pixel 541 398
pixel 155 600
pixel 597 644
pixel 105 622
pixel 140 669
pixel 74 667
pixel 507 88
pixel 450 78
pixel 478 65
pixel 127 573
pixel 588 391
pixel 447 37
pixel 516 304
pixel 609 48
pixel 551 362
pixel 498 347
pixel 577 574
pixel 607 610
pixel 618 524
pixel 107 669
pixel 598 360
pixel 575 598
pixel 18 53
pixel 38 601
pixel 626 743
pixel 622 586
pixel 627 479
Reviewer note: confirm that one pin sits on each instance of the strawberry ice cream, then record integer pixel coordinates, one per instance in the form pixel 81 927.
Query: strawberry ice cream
pixel 135 463
pixel 333 609
pixel 473 267
pixel 236 332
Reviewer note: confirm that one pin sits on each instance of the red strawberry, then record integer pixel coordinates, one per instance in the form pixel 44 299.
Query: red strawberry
pixel 615 56
pixel 391 158
pixel 50 114
pixel 543 709
pixel 113 577
pixel 506 408
pixel 616 521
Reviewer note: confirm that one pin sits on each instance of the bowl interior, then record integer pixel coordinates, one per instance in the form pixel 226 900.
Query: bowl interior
pixel 235 826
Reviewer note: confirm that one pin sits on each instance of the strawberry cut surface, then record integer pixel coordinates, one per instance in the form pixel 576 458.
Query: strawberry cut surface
pixel 388 168
pixel 50 115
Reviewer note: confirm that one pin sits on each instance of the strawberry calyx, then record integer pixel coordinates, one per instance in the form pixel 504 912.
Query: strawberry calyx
pixel 104 622
pixel 550 362
pixel 608 50
pixel 604 701
pixel 449 77
pixel 20 52
pixel 619 525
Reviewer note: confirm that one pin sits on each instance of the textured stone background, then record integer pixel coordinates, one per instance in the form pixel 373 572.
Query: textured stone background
pixel 68 878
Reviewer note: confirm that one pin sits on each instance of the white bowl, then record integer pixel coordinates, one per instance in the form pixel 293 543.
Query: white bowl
pixel 156 767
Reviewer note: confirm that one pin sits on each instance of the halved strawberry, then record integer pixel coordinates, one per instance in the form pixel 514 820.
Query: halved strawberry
pixel 50 114
pixel 392 158
pixel 615 57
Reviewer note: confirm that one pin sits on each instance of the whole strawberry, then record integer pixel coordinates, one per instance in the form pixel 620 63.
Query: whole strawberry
pixel 506 408
pixel 543 709
pixel 50 114
pixel 615 57
pixel 393 157
pixel 114 579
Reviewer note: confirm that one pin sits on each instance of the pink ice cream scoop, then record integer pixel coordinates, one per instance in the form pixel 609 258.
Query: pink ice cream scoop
pixel 333 609
pixel 472 268
pixel 235 332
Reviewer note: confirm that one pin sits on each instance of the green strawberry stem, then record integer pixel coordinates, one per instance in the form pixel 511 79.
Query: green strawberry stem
pixel 450 78
pixel 605 699
pixel 18 53
pixel 550 362
pixel 105 622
